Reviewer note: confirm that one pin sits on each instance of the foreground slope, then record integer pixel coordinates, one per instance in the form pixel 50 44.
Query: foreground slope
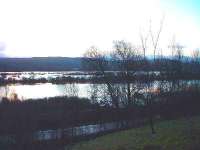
pixel 181 134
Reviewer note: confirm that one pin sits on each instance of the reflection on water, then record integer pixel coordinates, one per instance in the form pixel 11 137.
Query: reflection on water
pixel 46 90
pixel 41 90
pixel 46 75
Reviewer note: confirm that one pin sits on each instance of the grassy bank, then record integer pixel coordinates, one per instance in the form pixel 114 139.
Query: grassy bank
pixel 181 134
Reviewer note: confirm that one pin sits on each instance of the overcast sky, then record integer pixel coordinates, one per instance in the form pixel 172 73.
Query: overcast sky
pixel 68 27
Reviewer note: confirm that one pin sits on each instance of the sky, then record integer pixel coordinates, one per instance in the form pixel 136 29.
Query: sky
pixel 40 28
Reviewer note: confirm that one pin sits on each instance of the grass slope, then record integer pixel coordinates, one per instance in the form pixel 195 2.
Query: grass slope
pixel 181 134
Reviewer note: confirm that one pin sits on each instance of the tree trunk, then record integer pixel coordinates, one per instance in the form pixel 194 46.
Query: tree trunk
pixel 152 126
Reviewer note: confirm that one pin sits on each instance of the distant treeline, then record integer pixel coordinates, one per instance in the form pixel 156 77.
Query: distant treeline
pixel 78 64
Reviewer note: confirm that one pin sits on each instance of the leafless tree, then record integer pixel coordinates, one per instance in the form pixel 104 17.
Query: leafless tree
pixel 144 39
pixel 148 95
pixel 196 55
pixel 172 46
pixel 98 93
pixel 97 61
pixel 176 56
pixel 93 93
pixel 155 37
pixel 179 51
pixel 128 59
pixel 176 49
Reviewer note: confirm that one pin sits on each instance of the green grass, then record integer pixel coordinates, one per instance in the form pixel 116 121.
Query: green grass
pixel 181 134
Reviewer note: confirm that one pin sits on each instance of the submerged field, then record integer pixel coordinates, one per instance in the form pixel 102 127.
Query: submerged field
pixel 181 134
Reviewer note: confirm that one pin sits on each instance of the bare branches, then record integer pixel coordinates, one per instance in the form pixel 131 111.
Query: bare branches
pixel 196 55
pixel 172 46
pixel 155 38
pixel 92 52
pixel 176 49
pixel 127 57
pixel 179 51
pixel 126 54
pixel 123 50
pixel 95 60
pixel 144 39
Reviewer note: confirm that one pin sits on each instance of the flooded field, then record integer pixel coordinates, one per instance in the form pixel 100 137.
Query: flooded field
pixel 47 90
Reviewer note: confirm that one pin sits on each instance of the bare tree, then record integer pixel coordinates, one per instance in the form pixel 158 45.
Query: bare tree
pixel 155 37
pixel 172 46
pixel 97 61
pixel 128 59
pixel 144 39
pixel 176 56
pixel 179 51
pixel 149 97
pixel 98 93
pixel 176 49
pixel 196 56
pixel 93 93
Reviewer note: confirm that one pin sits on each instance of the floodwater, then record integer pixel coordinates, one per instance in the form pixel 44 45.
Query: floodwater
pixel 44 90
pixel 47 90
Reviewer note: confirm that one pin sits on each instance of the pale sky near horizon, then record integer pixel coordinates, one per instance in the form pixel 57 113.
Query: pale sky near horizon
pixel 33 28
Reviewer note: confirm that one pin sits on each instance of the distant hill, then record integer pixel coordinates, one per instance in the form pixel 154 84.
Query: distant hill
pixel 40 64
pixel 55 63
